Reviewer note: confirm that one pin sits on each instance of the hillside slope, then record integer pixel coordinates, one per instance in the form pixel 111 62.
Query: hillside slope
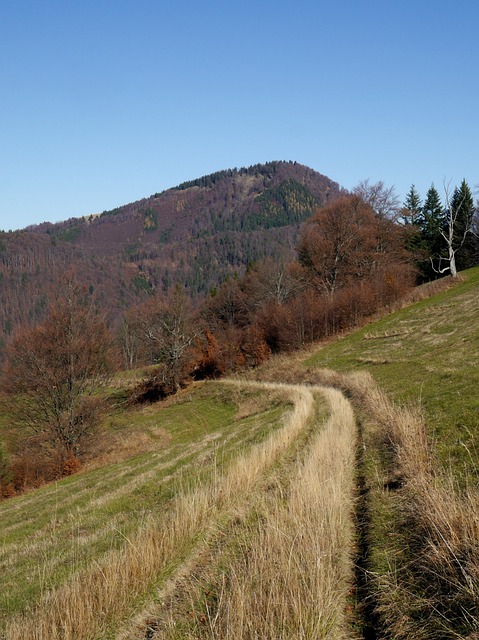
pixel 212 521
pixel 195 234
pixel 417 463
pixel 426 354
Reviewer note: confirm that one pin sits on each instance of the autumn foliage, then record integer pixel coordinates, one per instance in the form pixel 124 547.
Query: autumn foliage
pixel 351 262
pixel 54 370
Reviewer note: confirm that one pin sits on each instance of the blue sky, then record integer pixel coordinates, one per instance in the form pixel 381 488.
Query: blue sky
pixel 107 101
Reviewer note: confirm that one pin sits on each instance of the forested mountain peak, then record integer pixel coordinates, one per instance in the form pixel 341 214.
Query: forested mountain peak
pixel 196 234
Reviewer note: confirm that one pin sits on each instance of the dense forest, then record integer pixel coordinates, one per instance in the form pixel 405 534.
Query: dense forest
pixel 195 235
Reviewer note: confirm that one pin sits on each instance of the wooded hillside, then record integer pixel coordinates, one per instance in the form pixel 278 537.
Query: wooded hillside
pixel 195 234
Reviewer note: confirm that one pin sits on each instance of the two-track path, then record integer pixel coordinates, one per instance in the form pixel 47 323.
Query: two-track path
pixel 289 572
pixel 265 549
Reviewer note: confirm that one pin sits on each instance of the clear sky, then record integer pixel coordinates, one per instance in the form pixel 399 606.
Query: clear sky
pixel 107 101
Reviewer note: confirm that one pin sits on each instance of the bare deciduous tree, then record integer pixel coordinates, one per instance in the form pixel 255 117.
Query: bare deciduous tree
pixel 459 224
pixel 384 200
pixel 273 280
pixel 166 325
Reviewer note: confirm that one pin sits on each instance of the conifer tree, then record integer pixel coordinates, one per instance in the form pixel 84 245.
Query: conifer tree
pixel 464 241
pixel 460 241
pixel 431 223
pixel 410 214
pixel 412 206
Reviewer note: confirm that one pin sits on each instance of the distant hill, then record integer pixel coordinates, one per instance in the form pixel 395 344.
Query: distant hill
pixel 195 234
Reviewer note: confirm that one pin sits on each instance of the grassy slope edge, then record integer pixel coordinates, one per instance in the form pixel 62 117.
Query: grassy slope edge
pixel 426 355
pixel 59 530
pixel 412 379
pixel 421 460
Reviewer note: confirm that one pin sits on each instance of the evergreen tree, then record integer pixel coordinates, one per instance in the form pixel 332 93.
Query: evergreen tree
pixel 431 223
pixel 464 241
pixel 410 214
pixel 412 206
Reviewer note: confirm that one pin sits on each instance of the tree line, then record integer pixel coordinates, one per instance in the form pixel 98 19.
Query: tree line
pixel 267 169
pixel 358 254
pixel 445 234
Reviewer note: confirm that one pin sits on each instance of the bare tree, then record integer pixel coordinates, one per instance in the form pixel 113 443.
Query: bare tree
pixel 274 279
pixel 166 325
pixel 131 346
pixel 384 200
pixel 459 224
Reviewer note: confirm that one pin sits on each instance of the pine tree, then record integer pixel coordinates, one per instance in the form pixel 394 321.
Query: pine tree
pixel 412 206
pixel 464 242
pixel 431 223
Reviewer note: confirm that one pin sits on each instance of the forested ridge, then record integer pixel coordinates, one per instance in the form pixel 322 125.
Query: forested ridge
pixel 196 235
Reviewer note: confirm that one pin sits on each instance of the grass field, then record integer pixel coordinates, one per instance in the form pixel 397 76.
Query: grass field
pixel 421 460
pixel 55 531
pixel 331 494
pixel 245 496
pixel 427 355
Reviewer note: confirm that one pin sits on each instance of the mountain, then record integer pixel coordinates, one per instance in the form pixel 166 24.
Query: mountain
pixel 196 234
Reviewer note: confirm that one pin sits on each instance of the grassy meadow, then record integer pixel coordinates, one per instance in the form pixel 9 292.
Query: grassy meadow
pixel 98 554
pixel 52 533
pixel 414 378
pixel 328 494
pixel 425 355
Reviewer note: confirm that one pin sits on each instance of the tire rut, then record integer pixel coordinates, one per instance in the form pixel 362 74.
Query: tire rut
pixel 366 599
pixel 179 589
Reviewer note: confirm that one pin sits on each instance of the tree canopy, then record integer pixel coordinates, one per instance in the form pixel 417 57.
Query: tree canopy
pixel 55 368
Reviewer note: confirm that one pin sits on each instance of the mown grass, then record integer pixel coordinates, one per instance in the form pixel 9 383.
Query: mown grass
pixel 418 460
pixel 50 533
pixel 421 460
pixel 291 571
pixel 423 555
pixel 426 354
pixel 94 599
pixel 279 566
pixel 188 609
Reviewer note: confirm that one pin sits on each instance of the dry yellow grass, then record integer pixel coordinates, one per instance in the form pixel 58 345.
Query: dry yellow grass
pixel 284 570
pixel 92 600
pixel 431 590
pixel 424 530
pixel 289 572
pixel 117 448
pixel 294 573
